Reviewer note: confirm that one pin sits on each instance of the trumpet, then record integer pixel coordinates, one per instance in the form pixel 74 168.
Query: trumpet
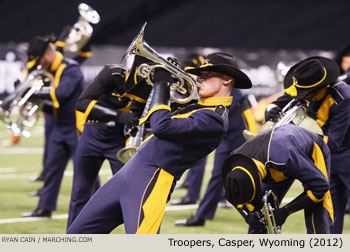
pixel 81 31
pixel 267 216
pixel 182 91
pixel 17 111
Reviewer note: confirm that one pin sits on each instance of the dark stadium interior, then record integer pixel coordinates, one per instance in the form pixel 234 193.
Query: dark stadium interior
pixel 254 24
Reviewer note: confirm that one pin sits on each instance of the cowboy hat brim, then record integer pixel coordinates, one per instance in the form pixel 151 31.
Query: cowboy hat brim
pixel 244 161
pixel 242 80
pixel 331 78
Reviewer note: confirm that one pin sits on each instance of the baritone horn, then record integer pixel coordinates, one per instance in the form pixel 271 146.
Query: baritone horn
pixel 181 91
pixel 81 31
pixel 17 111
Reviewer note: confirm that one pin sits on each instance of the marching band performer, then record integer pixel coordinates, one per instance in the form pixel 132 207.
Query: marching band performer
pixel 240 118
pixel 84 53
pixel 104 111
pixel 137 194
pixel 61 144
pixel 272 160
pixel 315 80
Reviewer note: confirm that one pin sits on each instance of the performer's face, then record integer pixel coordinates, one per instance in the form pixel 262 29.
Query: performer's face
pixel 48 58
pixel 214 84
pixel 345 63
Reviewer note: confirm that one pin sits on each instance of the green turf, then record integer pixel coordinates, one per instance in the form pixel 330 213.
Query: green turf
pixel 14 198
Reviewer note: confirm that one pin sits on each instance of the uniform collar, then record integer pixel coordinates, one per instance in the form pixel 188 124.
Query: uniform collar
pixel 56 62
pixel 214 101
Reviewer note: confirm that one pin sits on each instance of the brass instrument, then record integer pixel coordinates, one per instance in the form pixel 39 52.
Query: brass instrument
pixel 133 143
pixel 81 31
pixel 293 110
pixel 344 76
pixel 17 111
pixel 267 216
pixel 183 91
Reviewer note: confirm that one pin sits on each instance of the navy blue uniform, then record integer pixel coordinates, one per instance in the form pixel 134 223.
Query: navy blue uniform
pixel 62 142
pixel 137 194
pixel 289 152
pixel 240 118
pixel 98 141
pixel 333 116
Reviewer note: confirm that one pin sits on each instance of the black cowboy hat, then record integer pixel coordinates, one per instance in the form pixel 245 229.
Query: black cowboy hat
pixel 193 60
pixel 241 180
pixel 310 75
pixel 36 49
pixel 223 63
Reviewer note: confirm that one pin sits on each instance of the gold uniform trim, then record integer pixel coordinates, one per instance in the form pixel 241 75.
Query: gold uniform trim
pixel 154 207
pixel 261 168
pixel 86 54
pixel 249 206
pixel 31 63
pixel 57 62
pixel 250 121
pixel 60 44
pixel 134 97
pixel 190 113
pixel 215 101
pixel 321 165
pixel 159 107
pixel 322 113
pixel 81 117
pixel 54 99
pixel 57 79
pixel 276 175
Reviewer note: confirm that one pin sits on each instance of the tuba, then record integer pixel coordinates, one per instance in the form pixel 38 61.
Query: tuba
pixel 81 31
pixel 17 111
pixel 182 91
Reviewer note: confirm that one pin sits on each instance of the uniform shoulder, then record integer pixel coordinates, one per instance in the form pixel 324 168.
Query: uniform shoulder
pixel 221 110
pixel 340 91
pixel 116 69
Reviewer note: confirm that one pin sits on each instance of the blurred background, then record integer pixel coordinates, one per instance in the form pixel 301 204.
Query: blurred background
pixel 265 36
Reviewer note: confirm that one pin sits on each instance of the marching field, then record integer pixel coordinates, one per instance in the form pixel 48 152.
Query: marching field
pixel 19 162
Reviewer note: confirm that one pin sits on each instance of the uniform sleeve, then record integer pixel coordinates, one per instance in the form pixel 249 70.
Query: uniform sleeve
pixel 282 100
pixel 339 121
pixel 312 178
pixel 204 123
pixel 71 77
pixel 103 83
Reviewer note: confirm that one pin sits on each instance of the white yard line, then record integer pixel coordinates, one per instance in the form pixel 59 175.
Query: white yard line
pixel 27 175
pixel 21 150
pixel 65 216
pixel 7 170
